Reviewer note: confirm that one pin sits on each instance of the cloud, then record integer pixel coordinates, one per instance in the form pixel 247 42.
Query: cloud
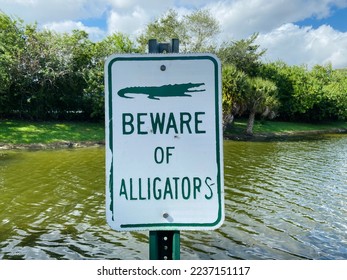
pixel 95 33
pixel 130 23
pixel 131 16
pixel 283 39
pixel 239 19
pixel 304 45
pixel 44 11
pixel 152 8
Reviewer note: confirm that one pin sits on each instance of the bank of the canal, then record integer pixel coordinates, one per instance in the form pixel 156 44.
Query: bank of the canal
pixel 277 130
pixel 20 134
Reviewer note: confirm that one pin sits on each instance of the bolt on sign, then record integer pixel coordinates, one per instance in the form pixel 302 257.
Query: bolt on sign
pixel 164 158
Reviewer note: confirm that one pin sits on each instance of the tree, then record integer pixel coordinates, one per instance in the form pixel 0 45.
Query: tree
pixel 244 94
pixel 311 95
pixel 165 28
pixel 48 75
pixel 45 75
pixel 25 53
pixel 336 94
pixel 201 29
pixel 244 54
pixel 234 85
pixel 11 46
pixel 195 31
pixel 94 75
pixel 279 73
pixel 243 91
pixel 260 98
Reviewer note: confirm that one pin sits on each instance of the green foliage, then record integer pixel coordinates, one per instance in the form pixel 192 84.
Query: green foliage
pixel 201 29
pixel 234 85
pixel 195 31
pixel 243 90
pixel 165 28
pixel 46 75
pixel 242 94
pixel 312 95
pixel 244 54
pixel 335 93
pixel 260 98
pixel 11 45
pixel 94 76
pixel 262 94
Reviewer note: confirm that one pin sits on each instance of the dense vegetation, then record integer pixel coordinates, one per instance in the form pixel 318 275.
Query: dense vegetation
pixel 48 76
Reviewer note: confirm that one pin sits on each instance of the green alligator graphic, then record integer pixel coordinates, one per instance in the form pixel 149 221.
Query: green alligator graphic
pixel 154 92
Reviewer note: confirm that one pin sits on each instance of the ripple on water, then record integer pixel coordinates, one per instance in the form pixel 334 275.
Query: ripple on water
pixel 283 200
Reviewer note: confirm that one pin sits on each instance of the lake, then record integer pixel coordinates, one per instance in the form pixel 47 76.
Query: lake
pixel 283 200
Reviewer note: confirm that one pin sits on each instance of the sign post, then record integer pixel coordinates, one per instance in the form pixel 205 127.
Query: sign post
pixel 164 164
pixel 164 244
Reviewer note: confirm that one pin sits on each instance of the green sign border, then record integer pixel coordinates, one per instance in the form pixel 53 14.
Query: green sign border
pixel 168 226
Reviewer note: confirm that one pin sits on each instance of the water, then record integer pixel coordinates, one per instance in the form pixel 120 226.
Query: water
pixel 283 200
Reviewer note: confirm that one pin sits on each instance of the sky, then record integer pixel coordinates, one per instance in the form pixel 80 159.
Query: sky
pixel 298 32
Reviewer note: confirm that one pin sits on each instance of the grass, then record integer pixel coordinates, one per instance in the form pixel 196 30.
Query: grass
pixel 284 127
pixel 26 132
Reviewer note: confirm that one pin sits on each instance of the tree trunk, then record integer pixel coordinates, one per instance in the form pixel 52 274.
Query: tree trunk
pixel 228 118
pixel 250 123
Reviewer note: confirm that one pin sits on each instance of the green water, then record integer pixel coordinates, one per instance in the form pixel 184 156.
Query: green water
pixel 283 200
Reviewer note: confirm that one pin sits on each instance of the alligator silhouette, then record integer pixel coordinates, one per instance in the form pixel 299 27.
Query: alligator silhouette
pixel 154 92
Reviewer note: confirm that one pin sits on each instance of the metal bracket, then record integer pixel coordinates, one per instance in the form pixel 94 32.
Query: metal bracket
pixel 155 47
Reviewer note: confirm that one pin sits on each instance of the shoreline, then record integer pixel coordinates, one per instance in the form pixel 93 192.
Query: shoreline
pixel 52 146
pixel 278 136
pixel 257 137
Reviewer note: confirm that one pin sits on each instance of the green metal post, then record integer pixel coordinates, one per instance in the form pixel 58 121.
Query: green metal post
pixel 164 245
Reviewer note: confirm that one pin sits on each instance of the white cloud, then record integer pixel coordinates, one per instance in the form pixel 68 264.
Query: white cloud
pixel 130 23
pixel 122 4
pixel 131 16
pixel 95 33
pixel 239 18
pixel 305 45
pixel 44 11
pixel 148 5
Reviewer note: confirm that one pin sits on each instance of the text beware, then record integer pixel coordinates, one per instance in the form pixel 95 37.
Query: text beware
pixel 162 123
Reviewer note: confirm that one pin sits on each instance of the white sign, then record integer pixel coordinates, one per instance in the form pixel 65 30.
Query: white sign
pixel 164 163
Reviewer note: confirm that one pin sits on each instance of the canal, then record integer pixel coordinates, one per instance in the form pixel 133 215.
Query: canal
pixel 283 200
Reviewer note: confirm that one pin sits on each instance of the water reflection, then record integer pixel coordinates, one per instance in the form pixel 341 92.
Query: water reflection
pixel 286 194
pixel 283 200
